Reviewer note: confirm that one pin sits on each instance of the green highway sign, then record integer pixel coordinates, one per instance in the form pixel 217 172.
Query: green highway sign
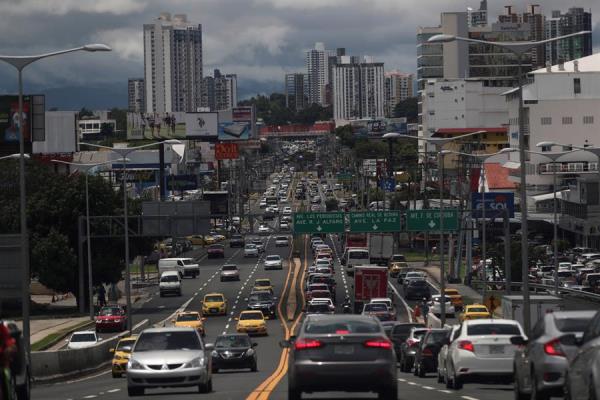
pixel 429 220
pixel 318 222
pixel 375 221
pixel 344 176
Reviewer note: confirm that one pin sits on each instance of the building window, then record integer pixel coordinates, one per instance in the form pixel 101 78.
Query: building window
pixel 546 121
pixel 546 148
pixel 567 120
pixel 588 119
pixel 576 85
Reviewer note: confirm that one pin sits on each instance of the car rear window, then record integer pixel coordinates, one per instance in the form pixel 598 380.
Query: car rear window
pixel 572 324
pixel 358 254
pixel 436 337
pixel 403 329
pixel 493 329
pixel 229 267
pixel 376 307
pixel 418 283
pixel 83 337
pixel 333 327
pixel 318 308
pixel 419 333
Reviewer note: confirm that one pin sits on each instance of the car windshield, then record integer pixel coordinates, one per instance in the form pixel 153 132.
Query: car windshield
pixel 83 337
pixel 170 340
pixel 169 278
pixel 229 267
pixel 376 307
pixel 110 311
pixel 262 282
pixel 188 317
pixel 323 327
pixel 493 329
pixel 232 341
pixel 188 261
pixel 251 315
pixel 125 343
pixel 259 297
pixel 281 238
pixel 213 299
pixel 571 324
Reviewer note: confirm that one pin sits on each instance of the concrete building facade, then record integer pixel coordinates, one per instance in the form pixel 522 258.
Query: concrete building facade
pixel 317 72
pixel 398 87
pixel 135 95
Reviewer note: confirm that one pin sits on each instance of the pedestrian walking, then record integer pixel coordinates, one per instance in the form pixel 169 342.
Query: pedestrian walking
pixel 101 296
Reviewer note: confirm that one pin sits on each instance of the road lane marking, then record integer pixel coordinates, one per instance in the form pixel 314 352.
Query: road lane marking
pixel 412 383
pixel 444 391
pixel 90 396
pixel 402 380
pixel 113 390
pixel 428 387
pixel 469 398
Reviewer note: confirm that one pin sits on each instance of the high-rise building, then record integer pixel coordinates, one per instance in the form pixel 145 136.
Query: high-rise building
pixel 479 17
pixel 295 96
pixel 574 20
pixel 219 92
pixel 358 89
pixel 536 21
pixel 172 64
pixel 135 95
pixel 398 87
pixel 317 74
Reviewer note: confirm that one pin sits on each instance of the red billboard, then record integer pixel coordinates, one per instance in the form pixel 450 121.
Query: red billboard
pixel 226 151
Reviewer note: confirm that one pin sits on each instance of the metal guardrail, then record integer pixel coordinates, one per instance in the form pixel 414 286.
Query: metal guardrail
pixel 562 292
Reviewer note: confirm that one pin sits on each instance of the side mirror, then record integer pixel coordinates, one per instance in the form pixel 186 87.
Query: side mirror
pixel 254 344
pixel 570 340
pixel 266 317
pixel 111 350
pixel 518 340
pixel 236 319
pixel 126 349
pixel 285 344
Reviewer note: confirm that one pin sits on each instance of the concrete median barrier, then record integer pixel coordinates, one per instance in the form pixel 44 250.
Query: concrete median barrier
pixel 47 366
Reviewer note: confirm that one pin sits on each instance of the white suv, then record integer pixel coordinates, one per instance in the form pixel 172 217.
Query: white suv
pixel 170 282
pixel 482 349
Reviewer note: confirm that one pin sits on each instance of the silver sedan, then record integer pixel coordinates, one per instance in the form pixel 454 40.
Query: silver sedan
pixel 230 272
pixel 169 357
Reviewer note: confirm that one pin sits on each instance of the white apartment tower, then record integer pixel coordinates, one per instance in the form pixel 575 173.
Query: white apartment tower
pixel 172 64
pixel 135 95
pixel 317 72
pixel 398 87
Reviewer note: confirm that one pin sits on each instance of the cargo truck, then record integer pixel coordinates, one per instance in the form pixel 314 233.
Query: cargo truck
pixel 381 247
pixel 370 281
pixel 512 307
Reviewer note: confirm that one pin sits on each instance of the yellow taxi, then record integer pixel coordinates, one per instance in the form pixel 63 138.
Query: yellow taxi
pixel 121 355
pixel 455 298
pixel 214 304
pixel 396 267
pixel 208 239
pixel 252 322
pixel 475 311
pixel 262 284
pixel 190 319
pixel 197 240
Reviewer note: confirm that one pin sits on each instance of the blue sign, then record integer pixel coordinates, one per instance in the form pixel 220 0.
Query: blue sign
pixel 387 184
pixel 495 204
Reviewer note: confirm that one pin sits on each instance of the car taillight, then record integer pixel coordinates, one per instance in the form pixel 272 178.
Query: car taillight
pixel 427 352
pixel 466 345
pixel 302 344
pixel 378 343
pixel 412 342
pixel 552 348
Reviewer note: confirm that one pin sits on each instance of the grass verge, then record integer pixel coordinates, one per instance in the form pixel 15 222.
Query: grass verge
pixel 53 338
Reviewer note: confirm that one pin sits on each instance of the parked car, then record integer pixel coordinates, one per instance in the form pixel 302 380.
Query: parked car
pixel 234 351
pixel 157 347
pixel 216 250
pixel 482 349
pixel 230 272
pixel 426 356
pixel 409 347
pixel 341 352
pixel 541 362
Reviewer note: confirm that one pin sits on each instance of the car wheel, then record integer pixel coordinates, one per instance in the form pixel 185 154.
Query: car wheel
pixel 566 387
pixel 421 372
pixel 116 375
pixel 440 377
pixel 457 382
pixel 135 391
pixel 416 369
pixel 253 367
pixel 535 393
pixel 294 393
pixel 592 389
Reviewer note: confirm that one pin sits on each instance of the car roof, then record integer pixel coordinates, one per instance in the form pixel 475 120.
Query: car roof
pixel 341 318
pixel 169 329
pixel 84 332
pixel 380 299
pixel 167 273
pixel 485 321
pixel 572 314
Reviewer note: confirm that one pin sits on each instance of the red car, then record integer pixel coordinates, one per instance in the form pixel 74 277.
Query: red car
pixel 111 318
pixel 216 250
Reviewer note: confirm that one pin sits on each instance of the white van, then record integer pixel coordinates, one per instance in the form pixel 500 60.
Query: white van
pixel 185 266
pixel 170 282
pixel 354 256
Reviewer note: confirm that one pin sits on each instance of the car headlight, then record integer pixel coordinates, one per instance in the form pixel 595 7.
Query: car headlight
pixel 116 321
pixel 214 353
pixel 133 364
pixel 249 352
pixel 195 363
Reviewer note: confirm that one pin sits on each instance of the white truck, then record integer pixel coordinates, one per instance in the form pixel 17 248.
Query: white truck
pixel 512 307
pixel 381 247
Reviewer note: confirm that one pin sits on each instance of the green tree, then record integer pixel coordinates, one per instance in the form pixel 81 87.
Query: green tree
pixel 84 112
pixel 120 116
pixel 55 261
pixel 407 109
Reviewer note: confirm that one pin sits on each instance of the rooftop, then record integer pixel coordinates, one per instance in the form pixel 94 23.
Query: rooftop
pixel 590 63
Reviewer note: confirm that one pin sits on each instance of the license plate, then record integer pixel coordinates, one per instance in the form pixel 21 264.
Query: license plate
pixel 343 349
pixel 496 349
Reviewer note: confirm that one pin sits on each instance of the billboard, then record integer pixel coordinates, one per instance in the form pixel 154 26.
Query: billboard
pixel 241 126
pixel 495 204
pixel 9 119
pixel 156 126
pixel 226 151
pixel 201 125
pixel 182 182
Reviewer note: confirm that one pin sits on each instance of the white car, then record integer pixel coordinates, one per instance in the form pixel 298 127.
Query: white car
pixel 443 354
pixel 435 306
pixel 482 348
pixel 273 262
pixel 282 241
pixel 287 210
pixel 250 250
pixel 263 204
pixel 263 230
pixel 82 339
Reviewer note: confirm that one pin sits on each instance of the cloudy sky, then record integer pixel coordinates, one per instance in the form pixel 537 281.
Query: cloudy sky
pixel 260 40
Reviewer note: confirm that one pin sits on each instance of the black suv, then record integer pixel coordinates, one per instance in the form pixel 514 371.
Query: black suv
pixel 417 289
pixel 237 241
pixel 264 301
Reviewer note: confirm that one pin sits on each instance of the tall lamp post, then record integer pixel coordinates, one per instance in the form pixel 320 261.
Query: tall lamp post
pixel 483 158
pixel 440 142
pixel 124 152
pixel 19 63
pixel 87 167
pixel 519 49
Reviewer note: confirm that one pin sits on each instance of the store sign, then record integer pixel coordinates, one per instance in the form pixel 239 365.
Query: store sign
pixel 226 151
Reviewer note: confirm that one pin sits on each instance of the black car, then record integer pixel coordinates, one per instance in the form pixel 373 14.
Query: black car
pixel 234 351
pixel 263 301
pixel 426 356
pixel 237 241
pixel 417 289
pixel 399 334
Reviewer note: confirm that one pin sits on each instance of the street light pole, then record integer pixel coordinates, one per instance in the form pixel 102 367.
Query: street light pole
pixel 19 63
pixel 442 269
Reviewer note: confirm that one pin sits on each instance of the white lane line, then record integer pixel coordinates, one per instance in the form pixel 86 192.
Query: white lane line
pixel 428 387
pixel 402 380
pixel 444 391
pixel 113 390
pixel 412 383
pixel 90 396
pixel 469 398
pixel 226 326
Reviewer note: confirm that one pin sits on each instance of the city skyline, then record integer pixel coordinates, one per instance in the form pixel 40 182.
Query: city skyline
pixel 260 45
